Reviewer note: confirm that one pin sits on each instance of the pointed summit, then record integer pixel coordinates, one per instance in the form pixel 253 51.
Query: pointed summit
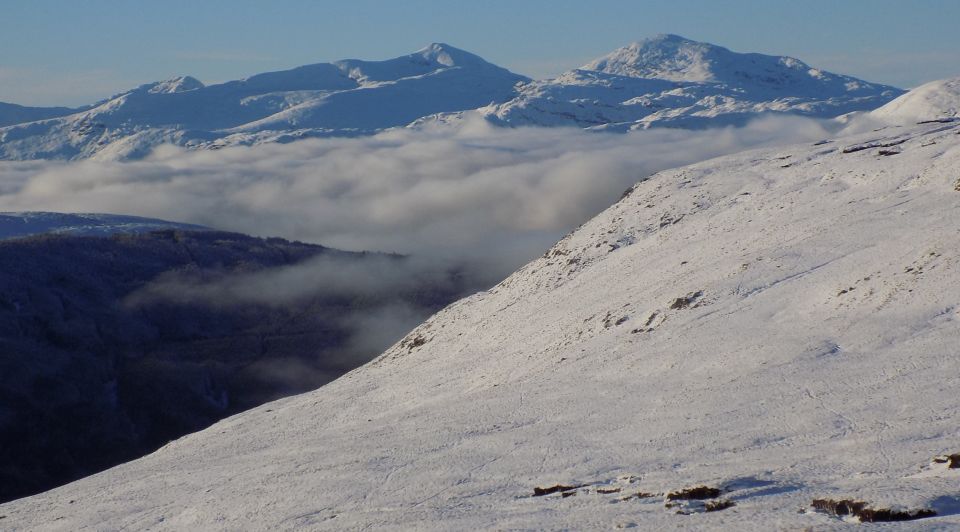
pixel 446 55
pixel 678 59
pixel 442 54
pixel 665 56
pixel 431 58
pixel 178 84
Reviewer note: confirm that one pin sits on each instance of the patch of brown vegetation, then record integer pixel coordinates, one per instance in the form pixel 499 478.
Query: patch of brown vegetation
pixel 697 493
pixel 413 343
pixel 952 460
pixel 716 506
pixel 638 495
pixel 686 301
pixel 860 510
pixel 558 488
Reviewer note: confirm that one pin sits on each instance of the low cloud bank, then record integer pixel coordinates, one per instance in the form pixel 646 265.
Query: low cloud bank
pixel 346 276
pixel 484 195
pixel 374 299
pixel 479 199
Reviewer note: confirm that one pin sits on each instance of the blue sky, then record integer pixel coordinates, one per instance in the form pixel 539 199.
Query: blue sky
pixel 71 52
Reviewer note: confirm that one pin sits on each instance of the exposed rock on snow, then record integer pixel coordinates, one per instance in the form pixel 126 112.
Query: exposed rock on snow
pixel 951 461
pixel 820 362
pixel 865 513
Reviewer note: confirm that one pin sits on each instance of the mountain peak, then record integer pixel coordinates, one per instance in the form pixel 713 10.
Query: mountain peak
pixel 674 58
pixel 664 56
pixel 440 47
pixel 449 56
pixel 433 58
pixel 667 38
pixel 177 84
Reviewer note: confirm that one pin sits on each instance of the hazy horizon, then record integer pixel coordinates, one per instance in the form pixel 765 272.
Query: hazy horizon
pixel 65 53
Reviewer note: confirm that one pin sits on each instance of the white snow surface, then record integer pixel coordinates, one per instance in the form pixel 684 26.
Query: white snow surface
pixel 781 324
pixel 934 101
pixel 20 224
pixel 344 98
pixel 672 81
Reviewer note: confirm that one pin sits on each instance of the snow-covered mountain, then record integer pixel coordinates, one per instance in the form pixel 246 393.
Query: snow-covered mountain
pixel 666 80
pixel 672 81
pixel 344 98
pixel 19 224
pixel 753 342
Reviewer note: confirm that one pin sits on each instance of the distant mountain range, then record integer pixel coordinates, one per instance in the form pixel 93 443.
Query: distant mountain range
pixel 349 97
pixel 663 81
pixel 23 224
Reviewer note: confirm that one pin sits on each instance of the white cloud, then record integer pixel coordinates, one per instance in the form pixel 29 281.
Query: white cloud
pixel 492 197
pixel 470 205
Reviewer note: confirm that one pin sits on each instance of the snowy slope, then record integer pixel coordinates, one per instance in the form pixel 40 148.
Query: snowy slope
pixel 349 97
pixel 17 114
pixel 18 224
pixel 672 81
pixel 781 325
pixel 937 100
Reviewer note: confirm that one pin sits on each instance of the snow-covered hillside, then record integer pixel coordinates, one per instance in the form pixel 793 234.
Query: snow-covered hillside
pixel 344 98
pixel 937 100
pixel 672 81
pixel 18 224
pixel 766 330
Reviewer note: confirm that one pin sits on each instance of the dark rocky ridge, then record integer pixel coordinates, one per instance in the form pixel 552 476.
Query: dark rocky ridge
pixel 87 381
